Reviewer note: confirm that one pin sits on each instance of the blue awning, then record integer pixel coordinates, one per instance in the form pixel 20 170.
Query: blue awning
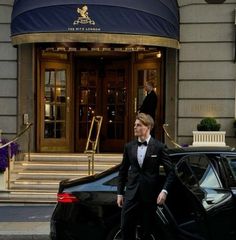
pixel 31 20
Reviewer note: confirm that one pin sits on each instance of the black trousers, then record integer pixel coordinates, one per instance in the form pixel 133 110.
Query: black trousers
pixel 137 212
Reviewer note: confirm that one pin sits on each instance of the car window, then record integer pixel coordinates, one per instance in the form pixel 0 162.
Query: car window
pixel 232 164
pixel 196 170
pixel 112 182
pixel 186 174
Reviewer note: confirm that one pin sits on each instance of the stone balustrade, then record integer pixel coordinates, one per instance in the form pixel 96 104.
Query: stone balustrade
pixel 208 138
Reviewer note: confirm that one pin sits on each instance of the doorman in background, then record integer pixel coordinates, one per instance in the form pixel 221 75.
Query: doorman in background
pixel 149 104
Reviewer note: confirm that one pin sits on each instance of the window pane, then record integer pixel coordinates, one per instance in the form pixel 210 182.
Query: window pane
pixel 61 94
pixel 121 96
pixel 232 164
pixel 120 116
pixel 186 175
pixel 55 103
pixel 50 77
pixel 120 131
pixel 209 179
pixel 49 94
pixel 92 96
pixel 111 130
pixel 83 130
pixel 49 130
pixel 60 130
pixel 49 112
pixel 111 96
pixel 84 76
pixel 61 112
pixel 204 172
pixel 111 113
pixel 112 182
pixel 61 78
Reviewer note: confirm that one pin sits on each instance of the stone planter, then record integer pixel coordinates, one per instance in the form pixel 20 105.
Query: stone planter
pixel 209 138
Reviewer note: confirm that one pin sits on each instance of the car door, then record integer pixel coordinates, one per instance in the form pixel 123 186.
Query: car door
pixel 214 206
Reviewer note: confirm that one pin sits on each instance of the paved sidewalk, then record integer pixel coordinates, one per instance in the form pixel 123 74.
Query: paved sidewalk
pixel 25 221
pixel 24 230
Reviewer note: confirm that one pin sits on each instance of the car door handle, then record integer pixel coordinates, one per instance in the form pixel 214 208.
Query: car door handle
pixel 209 200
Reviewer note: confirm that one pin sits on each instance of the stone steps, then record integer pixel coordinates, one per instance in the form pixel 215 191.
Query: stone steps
pixel 23 196
pixel 49 174
pixel 37 180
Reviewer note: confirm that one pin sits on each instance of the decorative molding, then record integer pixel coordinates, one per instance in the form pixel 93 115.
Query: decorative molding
pixel 214 1
pixel 96 38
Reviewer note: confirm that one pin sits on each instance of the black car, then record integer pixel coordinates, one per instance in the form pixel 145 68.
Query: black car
pixel 201 204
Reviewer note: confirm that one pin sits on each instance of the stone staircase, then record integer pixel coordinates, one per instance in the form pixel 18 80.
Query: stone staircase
pixel 37 180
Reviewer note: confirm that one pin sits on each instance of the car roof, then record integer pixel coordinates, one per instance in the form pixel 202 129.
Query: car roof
pixel 207 149
pixel 171 152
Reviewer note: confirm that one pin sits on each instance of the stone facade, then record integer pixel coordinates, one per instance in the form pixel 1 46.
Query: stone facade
pixel 206 71
pixel 206 81
pixel 8 74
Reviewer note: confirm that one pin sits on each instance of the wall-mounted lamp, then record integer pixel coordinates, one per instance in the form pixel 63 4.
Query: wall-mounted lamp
pixel 158 55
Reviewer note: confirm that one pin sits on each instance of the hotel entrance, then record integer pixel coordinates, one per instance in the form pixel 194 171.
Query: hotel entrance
pixel 101 85
pixel 92 62
pixel 72 88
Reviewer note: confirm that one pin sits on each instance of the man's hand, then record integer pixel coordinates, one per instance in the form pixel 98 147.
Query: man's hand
pixel 161 198
pixel 120 200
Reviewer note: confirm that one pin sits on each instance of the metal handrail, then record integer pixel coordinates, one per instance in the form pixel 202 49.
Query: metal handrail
pixel 17 137
pixel 8 144
pixel 168 135
pixel 91 152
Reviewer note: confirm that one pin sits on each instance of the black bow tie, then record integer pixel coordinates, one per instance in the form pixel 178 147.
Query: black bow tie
pixel 142 143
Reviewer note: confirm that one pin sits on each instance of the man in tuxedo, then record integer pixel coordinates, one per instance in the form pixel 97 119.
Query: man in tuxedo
pixel 149 104
pixel 139 171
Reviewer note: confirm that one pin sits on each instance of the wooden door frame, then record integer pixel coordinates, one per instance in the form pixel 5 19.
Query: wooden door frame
pixel 144 64
pixel 68 143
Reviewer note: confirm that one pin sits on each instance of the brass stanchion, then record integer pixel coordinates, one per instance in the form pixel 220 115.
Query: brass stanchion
pixel 89 164
pixel 29 143
pixel 93 152
pixel 95 120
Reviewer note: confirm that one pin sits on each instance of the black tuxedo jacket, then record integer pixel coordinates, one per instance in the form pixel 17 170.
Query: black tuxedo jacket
pixel 149 104
pixel 144 180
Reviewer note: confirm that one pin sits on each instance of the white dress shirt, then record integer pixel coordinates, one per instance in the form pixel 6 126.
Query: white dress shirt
pixel 141 152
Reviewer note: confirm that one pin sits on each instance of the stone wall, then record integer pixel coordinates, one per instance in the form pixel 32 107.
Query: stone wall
pixel 8 74
pixel 206 67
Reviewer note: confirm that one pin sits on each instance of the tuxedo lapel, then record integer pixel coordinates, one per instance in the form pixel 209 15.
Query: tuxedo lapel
pixel 150 149
pixel 134 153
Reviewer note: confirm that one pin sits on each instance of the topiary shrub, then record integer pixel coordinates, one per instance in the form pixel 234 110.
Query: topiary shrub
pixel 208 124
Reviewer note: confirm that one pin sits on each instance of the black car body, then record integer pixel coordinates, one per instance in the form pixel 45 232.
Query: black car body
pixel 201 204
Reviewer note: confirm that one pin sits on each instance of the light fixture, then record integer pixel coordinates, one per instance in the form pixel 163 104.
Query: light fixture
pixel 158 55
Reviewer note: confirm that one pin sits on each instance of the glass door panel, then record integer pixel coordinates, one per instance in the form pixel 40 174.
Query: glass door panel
pixel 87 94
pixel 104 95
pixel 115 103
pixel 55 104
pixel 54 134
